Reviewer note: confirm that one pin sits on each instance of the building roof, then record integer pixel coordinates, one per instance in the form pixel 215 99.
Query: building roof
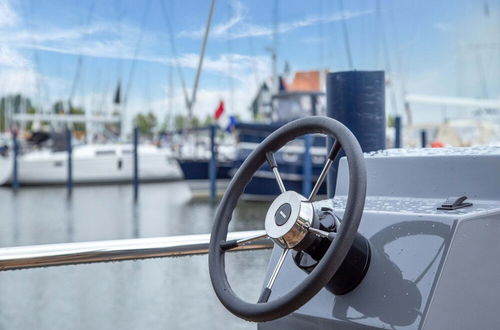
pixel 305 81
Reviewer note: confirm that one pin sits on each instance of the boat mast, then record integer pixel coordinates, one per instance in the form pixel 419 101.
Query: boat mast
pixel 173 48
pixel 131 75
pixel 200 63
pixel 274 50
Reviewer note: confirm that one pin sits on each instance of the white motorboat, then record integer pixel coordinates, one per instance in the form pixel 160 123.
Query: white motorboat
pixel 92 163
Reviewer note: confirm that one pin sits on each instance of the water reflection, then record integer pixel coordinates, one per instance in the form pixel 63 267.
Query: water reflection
pixel 14 218
pixel 136 230
pixel 152 294
pixel 70 219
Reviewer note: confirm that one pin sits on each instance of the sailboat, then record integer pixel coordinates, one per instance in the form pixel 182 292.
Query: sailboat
pixel 45 160
pixel 92 163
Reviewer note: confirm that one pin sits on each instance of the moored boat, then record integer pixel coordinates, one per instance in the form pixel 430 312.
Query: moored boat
pixel 302 98
pixel 92 163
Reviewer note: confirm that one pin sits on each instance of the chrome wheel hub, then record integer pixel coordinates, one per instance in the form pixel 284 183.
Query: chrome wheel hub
pixel 288 219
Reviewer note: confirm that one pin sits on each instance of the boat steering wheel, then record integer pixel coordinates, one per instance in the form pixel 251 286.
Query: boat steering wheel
pixel 289 221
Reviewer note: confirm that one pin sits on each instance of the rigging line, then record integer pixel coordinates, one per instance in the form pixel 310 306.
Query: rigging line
pixel 119 14
pixel 200 63
pixel 345 33
pixel 387 58
pixel 482 74
pixel 230 67
pixel 79 64
pixel 170 94
pixel 321 36
pixel 147 90
pixel 498 49
pixel 330 47
pixel 399 62
pixel 170 87
pixel 136 54
pixel 251 49
pixel 274 51
pixel 104 96
pixel 37 67
pixel 174 51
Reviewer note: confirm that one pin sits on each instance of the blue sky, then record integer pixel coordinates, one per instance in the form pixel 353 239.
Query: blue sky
pixel 435 47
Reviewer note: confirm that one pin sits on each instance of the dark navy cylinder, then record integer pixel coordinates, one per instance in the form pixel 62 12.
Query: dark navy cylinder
pixel 423 138
pixel 212 165
pixel 15 153
pixel 357 100
pixel 135 174
pixel 398 128
pixel 69 146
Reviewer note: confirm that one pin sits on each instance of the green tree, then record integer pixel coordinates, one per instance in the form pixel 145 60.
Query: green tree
pixel 31 110
pixel 146 123
pixel 179 122
pixel 58 107
pixel 208 120
pixel 166 124
pixel 195 122
pixel 391 121
pixel 16 103
pixel 3 107
pixel 77 111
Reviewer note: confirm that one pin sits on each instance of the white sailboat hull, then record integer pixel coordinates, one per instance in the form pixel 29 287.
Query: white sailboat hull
pixel 92 164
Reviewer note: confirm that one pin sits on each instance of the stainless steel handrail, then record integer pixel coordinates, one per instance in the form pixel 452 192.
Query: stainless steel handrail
pixel 116 250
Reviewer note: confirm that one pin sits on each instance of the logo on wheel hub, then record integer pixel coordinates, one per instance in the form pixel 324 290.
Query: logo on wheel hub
pixel 282 214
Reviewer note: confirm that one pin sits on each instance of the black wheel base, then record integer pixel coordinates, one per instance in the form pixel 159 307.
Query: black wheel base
pixel 351 272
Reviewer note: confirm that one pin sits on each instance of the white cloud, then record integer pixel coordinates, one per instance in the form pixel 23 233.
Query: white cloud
pixel 238 15
pixel 247 70
pixel 8 16
pixel 444 27
pixel 313 40
pixel 313 20
pixel 237 26
pixel 55 34
pixel 114 49
pixel 18 81
pixel 12 58
pixel 100 39
pixel 206 102
pixel 240 65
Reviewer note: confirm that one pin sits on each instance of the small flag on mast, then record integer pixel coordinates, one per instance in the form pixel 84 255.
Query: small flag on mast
pixel 219 111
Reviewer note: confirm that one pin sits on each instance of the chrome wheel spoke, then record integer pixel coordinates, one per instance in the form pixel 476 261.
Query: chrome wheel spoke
pixel 231 244
pixel 274 167
pixel 324 172
pixel 266 293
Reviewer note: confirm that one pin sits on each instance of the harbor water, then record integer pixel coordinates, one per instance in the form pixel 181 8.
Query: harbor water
pixel 166 293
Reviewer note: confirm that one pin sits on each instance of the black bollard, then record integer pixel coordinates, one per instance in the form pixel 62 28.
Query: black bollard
pixel 15 152
pixel 357 99
pixel 69 146
pixel 212 166
pixel 135 179
pixel 398 140
pixel 423 138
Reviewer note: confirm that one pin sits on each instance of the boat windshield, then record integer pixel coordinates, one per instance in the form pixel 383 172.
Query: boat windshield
pixel 289 106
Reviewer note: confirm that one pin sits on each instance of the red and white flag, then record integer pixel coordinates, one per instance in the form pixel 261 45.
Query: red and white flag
pixel 219 111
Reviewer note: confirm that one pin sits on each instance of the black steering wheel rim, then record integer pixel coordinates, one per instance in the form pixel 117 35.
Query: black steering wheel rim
pixel 337 251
